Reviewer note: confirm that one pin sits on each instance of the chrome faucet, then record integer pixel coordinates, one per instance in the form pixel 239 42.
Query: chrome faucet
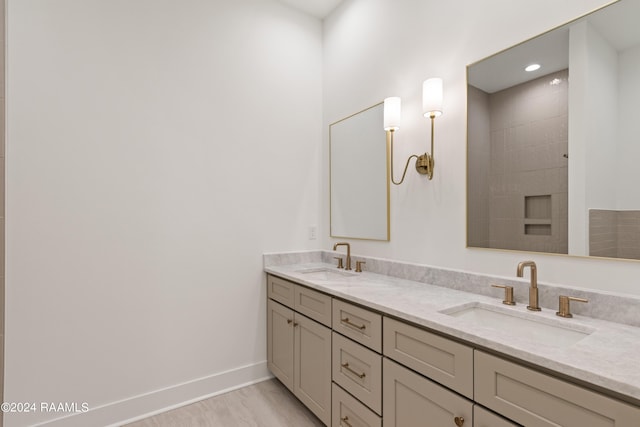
pixel 348 263
pixel 533 289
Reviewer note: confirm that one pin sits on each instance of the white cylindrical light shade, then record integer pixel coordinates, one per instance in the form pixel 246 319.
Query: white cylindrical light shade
pixel 392 113
pixel 432 97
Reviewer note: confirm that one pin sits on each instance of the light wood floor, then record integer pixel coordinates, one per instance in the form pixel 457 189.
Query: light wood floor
pixel 264 404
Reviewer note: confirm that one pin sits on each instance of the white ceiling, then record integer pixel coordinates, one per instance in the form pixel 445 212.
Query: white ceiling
pixel 506 69
pixel 617 24
pixel 318 8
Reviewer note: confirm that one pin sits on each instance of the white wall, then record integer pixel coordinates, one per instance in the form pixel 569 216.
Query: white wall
pixel 378 48
pixel 602 96
pixel 155 150
pixel 628 147
pixel 593 93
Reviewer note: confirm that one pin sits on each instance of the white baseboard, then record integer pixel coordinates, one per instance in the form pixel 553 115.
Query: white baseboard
pixel 152 403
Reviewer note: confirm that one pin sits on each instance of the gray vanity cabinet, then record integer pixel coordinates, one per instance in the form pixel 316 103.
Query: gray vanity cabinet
pixel 299 348
pixel 390 372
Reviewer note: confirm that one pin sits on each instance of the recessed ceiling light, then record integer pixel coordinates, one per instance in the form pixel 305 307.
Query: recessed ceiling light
pixel 532 67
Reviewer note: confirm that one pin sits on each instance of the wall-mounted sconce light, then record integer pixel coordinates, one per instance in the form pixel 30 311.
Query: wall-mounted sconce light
pixel 432 108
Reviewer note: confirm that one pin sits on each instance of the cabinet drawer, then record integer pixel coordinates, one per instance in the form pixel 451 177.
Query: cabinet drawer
pixel 443 360
pixel 358 370
pixel 313 304
pixel 349 412
pixel 535 399
pixel 280 290
pixel 359 324
pixel 413 400
pixel 485 418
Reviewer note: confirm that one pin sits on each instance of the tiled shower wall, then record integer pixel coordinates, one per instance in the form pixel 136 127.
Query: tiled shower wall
pixel 614 234
pixel 528 149
pixel 478 169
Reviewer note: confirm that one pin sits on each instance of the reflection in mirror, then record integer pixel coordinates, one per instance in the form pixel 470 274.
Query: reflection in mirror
pixel 358 172
pixel 552 152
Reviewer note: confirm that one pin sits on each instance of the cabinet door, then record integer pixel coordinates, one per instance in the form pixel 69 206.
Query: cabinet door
pixel 412 400
pixel 312 366
pixel 280 342
pixel 535 399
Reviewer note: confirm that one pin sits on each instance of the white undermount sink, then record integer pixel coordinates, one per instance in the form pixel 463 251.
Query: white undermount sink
pixel 511 322
pixel 323 273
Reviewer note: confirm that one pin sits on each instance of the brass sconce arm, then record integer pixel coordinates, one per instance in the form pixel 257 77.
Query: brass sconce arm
pixel 390 155
pixel 424 163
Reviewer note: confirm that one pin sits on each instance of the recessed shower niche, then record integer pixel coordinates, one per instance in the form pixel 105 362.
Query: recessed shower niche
pixel 537 215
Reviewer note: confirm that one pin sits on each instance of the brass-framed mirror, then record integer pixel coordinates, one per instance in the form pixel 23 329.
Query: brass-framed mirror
pixel 359 187
pixel 552 154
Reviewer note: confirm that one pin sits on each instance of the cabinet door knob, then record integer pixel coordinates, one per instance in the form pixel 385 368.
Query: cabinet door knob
pixel 459 421
pixel 289 321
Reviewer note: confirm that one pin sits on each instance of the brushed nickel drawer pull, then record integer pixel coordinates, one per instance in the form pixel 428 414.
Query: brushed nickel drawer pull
pixel 346 366
pixel 347 322
pixel 345 421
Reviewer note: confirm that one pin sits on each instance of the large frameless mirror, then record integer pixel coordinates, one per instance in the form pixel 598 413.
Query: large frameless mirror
pixel 358 173
pixel 552 153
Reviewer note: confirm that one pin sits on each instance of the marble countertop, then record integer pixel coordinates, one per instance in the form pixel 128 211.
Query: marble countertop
pixel 609 357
